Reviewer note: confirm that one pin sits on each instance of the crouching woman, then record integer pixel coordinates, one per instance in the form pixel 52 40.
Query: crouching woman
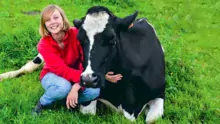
pixel 63 57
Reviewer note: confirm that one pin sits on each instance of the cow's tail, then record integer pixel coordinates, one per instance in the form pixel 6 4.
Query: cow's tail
pixel 27 68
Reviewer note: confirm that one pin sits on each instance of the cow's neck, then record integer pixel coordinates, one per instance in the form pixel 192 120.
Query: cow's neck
pixel 129 51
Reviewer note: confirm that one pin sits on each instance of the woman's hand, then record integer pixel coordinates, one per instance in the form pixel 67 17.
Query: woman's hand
pixel 72 98
pixel 113 78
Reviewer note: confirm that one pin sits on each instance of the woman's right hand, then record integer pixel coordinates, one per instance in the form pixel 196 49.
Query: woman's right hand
pixel 72 98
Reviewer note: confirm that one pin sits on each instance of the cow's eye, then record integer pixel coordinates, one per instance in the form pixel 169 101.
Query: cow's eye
pixel 113 41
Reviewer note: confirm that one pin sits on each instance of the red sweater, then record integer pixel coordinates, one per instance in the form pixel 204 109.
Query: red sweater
pixel 66 62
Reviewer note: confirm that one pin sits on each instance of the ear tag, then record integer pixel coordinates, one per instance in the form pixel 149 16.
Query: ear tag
pixel 131 25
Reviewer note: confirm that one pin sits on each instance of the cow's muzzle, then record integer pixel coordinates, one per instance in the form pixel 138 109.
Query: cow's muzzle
pixel 90 80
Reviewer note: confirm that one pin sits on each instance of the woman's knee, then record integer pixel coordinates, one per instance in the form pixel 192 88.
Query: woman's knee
pixel 60 89
pixel 63 89
pixel 93 93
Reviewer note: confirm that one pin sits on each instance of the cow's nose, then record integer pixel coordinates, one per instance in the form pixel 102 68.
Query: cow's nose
pixel 89 80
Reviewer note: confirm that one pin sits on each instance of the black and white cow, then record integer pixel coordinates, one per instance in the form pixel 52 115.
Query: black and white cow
pixel 129 47
pixel 123 45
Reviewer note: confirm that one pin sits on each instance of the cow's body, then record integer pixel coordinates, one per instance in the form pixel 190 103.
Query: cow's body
pixel 135 52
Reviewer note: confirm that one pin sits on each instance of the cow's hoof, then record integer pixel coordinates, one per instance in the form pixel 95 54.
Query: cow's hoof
pixel 130 117
pixel 89 109
pixel 120 109
pixel 155 110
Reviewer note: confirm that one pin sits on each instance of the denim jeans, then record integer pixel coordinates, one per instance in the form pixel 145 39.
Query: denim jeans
pixel 57 88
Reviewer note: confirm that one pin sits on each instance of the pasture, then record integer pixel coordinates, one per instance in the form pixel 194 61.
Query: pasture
pixel 189 31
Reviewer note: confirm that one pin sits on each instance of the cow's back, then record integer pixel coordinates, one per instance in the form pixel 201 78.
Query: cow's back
pixel 142 60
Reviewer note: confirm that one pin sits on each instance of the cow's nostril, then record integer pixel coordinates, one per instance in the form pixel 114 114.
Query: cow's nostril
pixel 90 80
pixel 87 76
pixel 94 75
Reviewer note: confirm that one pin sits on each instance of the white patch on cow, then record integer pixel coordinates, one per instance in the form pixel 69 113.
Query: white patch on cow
pixel 155 110
pixel 89 109
pixel 41 57
pixel 88 71
pixel 128 116
pixel 120 109
pixel 93 24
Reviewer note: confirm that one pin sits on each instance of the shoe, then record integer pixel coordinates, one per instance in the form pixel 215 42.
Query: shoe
pixel 38 109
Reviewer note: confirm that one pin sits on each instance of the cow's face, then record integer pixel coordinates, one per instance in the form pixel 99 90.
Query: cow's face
pixel 97 34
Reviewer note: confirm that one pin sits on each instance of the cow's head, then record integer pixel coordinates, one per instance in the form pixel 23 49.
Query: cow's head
pixel 98 35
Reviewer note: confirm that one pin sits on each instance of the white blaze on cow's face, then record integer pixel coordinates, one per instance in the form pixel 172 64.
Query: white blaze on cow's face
pixel 93 24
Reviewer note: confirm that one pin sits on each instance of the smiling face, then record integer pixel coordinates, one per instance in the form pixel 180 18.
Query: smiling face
pixel 53 19
pixel 54 23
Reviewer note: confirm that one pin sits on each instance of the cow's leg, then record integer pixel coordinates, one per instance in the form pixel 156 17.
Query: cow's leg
pixel 111 99
pixel 27 68
pixel 135 113
pixel 129 115
pixel 129 102
pixel 89 109
pixel 156 109
pixel 87 100
pixel 110 105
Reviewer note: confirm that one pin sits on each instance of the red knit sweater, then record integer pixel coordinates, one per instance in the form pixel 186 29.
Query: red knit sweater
pixel 66 62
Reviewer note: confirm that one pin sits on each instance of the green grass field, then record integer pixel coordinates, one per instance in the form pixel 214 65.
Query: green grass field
pixel 189 30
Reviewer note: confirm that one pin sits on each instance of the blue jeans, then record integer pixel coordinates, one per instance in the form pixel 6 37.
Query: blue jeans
pixel 57 88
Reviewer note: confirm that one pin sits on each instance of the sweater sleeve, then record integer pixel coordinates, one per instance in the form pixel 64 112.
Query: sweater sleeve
pixel 55 64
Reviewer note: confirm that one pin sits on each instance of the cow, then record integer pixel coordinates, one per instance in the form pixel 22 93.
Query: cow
pixel 128 46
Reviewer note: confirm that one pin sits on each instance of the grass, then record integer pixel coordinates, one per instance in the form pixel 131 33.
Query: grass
pixel 188 30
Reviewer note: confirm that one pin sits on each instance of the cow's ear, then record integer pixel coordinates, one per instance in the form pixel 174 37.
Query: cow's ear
pixel 127 21
pixel 77 23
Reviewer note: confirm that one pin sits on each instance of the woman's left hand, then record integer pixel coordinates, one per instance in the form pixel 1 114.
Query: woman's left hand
pixel 114 78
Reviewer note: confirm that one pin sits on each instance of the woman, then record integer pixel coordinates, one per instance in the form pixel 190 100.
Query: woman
pixel 63 57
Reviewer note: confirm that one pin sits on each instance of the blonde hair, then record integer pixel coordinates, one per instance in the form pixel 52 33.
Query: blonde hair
pixel 45 15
